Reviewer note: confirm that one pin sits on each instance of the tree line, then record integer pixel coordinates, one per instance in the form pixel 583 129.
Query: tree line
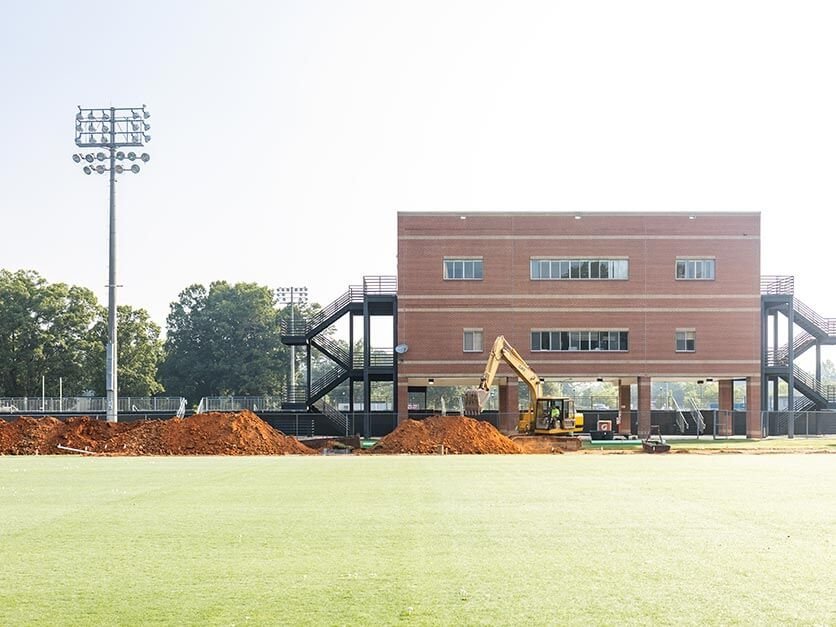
pixel 220 340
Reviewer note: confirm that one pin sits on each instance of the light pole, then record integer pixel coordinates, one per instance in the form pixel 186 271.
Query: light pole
pixel 291 296
pixel 111 128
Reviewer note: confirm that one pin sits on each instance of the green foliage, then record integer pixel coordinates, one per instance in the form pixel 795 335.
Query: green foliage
pixel 224 341
pixel 60 331
pixel 140 352
pixel 46 330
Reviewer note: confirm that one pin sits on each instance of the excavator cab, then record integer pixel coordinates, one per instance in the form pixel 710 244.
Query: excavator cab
pixel 555 416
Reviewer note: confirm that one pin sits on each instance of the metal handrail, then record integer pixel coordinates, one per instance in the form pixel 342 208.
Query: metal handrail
pixel 330 377
pixel 826 391
pixel 828 325
pixel 296 394
pixel 372 285
pixel 334 415
pixel 379 358
pixel 239 403
pixel 696 414
pixel 380 285
pixel 802 342
pixel 328 345
pixel 777 284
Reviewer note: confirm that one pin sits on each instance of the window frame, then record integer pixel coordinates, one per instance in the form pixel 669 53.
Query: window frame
pixel 697 267
pixel 579 269
pixel 688 335
pixel 464 261
pixel 481 333
pixel 574 340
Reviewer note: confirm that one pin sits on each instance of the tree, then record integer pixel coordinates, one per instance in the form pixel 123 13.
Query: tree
pixel 139 350
pixel 224 341
pixel 45 331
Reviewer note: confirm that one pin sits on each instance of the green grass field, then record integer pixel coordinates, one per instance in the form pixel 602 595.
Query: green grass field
pixel 346 540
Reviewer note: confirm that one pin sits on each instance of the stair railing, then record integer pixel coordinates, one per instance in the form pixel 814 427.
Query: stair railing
pixel 696 414
pixel 332 348
pixel 328 379
pixel 775 284
pixel 334 415
pixel 801 342
pixel 681 420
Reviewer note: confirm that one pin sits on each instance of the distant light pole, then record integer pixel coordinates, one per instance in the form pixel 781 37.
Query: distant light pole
pixel 291 296
pixel 111 128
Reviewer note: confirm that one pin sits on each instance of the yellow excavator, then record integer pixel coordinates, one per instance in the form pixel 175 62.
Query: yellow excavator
pixel 546 415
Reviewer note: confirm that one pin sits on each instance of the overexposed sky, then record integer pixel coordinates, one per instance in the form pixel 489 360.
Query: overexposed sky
pixel 286 135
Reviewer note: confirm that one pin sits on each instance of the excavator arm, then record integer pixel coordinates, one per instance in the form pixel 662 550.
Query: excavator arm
pixel 502 351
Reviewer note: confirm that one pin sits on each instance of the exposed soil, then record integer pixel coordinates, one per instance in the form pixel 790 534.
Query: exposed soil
pixel 240 433
pixel 457 434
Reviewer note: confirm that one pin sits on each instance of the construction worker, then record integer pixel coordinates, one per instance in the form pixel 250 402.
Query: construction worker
pixel 554 416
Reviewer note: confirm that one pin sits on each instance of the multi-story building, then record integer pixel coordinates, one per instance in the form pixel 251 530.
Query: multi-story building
pixel 627 298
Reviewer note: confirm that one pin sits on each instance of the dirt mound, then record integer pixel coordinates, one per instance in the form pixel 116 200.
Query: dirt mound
pixel 241 433
pixel 456 433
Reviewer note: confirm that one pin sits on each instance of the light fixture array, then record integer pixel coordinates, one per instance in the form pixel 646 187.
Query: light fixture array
pixel 113 126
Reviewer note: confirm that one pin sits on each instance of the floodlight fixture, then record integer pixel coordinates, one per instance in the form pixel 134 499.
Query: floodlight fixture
pixel 110 128
pixel 145 157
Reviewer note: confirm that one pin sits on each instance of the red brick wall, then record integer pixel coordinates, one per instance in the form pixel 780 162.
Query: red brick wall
pixel 651 305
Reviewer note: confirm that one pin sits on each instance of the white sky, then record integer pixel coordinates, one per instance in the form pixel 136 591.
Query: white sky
pixel 286 135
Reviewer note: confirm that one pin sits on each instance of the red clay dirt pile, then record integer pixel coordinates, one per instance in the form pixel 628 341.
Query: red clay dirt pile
pixel 240 433
pixel 456 433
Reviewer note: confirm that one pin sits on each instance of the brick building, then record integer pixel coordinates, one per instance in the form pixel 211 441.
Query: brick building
pixel 623 297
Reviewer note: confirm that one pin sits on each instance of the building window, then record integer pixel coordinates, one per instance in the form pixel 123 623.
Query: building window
pixel 686 341
pixel 695 269
pixel 581 269
pixel 472 342
pixel 552 341
pixel 463 269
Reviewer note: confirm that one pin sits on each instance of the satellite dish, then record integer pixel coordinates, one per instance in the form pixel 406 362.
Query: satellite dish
pixel 400 349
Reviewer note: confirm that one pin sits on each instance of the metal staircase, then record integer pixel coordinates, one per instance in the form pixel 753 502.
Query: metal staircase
pixel 352 362
pixel 779 363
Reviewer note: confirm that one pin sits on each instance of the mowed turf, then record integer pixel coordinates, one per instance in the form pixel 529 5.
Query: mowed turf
pixel 346 540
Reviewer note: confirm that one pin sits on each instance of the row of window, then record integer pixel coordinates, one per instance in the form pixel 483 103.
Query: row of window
pixel 553 269
pixel 591 340
pixel 579 341
pixel 470 269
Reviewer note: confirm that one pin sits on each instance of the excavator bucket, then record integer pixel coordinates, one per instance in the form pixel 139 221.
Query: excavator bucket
pixel 474 401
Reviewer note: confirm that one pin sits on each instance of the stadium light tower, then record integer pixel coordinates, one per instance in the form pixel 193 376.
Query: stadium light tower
pixel 111 128
pixel 291 296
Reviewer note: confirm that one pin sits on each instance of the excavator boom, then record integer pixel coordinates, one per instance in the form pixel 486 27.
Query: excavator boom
pixel 502 351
